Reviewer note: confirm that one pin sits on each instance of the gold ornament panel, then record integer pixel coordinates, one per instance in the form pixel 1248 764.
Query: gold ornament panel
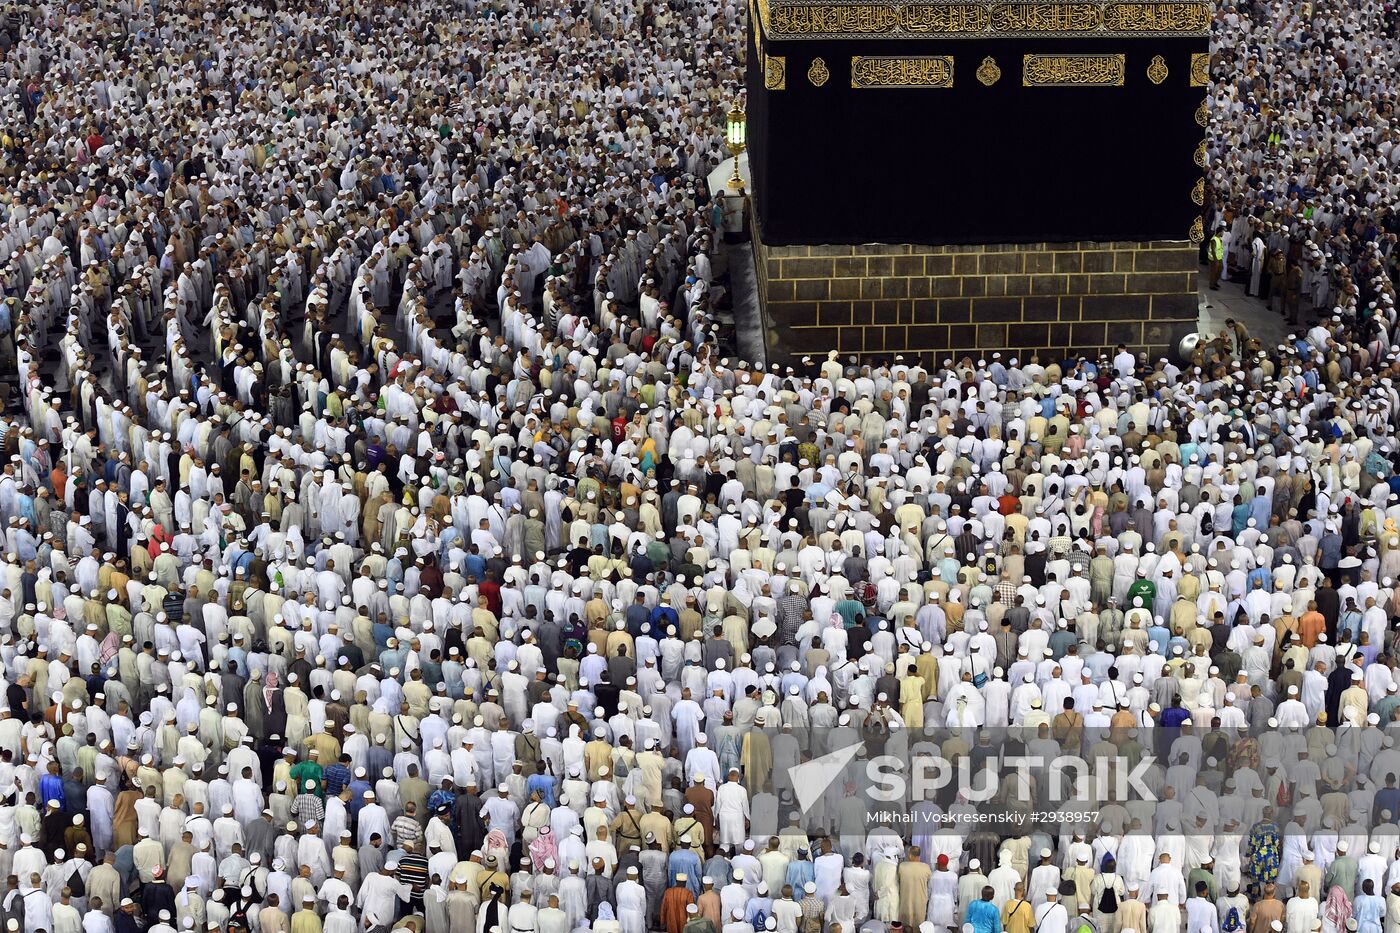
pixel 1157 18
pixel 818 73
pixel 988 72
pixel 775 72
pixel 890 71
pixel 1045 18
pixel 1073 70
pixel 945 19
pixel 1198 193
pixel 1197 232
pixel 839 19
pixel 1200 69
pixel 1157 70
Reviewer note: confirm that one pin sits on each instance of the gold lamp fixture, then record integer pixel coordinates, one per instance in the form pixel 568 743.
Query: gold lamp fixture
pixel 736 138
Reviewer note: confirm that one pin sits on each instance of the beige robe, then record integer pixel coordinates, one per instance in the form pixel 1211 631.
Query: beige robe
pixel 913 879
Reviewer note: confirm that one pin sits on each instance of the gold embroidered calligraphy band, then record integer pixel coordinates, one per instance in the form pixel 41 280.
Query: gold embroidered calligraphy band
pixel 1073 70
pixel 828 20
pixel 775 72
pixel 1200 69
pixel 920 71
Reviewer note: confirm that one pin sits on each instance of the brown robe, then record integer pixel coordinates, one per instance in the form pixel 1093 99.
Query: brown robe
pixel 703 800
pixel 673 905
pixel 124 819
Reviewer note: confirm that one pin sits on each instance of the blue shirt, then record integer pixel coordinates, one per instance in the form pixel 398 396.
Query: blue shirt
pixel 545 785
pixel 1331 547
pixel 474 565
pixel 336 777
pixel 1388 798
pixel 1173 716
pixel 1239 518
pixel 1260 509
pixel 661 618
pixel 799 872
pixel 357 795
pixel 687 862
pixel 51 788
pixel 984 917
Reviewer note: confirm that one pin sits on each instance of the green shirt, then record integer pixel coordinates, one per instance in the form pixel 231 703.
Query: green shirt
pixel 1144 588
pixel 304 771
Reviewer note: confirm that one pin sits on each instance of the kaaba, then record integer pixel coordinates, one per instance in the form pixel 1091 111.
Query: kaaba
pixel 1029 145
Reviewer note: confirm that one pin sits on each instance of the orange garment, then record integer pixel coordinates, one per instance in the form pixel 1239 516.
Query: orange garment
pixel 1310 625
pixel 673 905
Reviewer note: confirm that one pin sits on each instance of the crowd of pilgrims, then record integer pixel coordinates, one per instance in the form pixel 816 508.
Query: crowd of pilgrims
pixel 1303 169
pixel 391 542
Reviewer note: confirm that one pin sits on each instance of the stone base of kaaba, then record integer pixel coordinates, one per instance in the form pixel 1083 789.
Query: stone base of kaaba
pixel 1059 299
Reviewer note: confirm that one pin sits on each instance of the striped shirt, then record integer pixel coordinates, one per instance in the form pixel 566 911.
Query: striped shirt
pixel 413 870
pixel 405 829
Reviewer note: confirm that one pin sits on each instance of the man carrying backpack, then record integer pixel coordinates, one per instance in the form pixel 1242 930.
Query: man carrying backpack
pixel 1234 909
pixel 1106 892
